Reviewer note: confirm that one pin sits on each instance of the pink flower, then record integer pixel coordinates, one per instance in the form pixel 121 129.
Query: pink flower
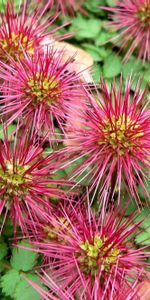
pixel 69 6
pixel 132 19
pixel 39 89
pixel 112 139
pixel 27 179
pixel 23 31
pixel 66 6
pixel 44 228
pixel 93 257
pixel 56 292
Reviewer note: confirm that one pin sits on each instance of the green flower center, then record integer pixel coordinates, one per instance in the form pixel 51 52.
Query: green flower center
pixel 144 14
pixel 120 133
pixel 14 178
pixel 94 257
pixel 43 89
pixel 14 44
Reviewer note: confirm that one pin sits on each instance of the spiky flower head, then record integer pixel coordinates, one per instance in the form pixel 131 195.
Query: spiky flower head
pixel 44 229
pixel 124 293
pixel 93 257
pixel 69 6
pixel 27 179
pixel 113 136
pixel 23 30
pixel 132 19
pixel 39 89
pixel 65 6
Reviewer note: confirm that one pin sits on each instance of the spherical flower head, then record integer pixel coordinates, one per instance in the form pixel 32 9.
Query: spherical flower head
pixel 40 89
pixel 93 257
pixel 114 140
pixel 23 30
pixel 132 19
pixel 27 180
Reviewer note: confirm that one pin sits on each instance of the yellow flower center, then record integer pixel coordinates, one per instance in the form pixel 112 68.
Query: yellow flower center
pixel 94 257
pixel 53 232
pixel 144 13
pixel 13 178
pixel 43 89
pixel 121 133
pixel 15 43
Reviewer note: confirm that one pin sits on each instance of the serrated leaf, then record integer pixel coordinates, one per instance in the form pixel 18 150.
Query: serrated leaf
pixel 112 66
pixel 3 249
pixel 23 259
pixel 24 291
pixel 9 282
pixel 85 29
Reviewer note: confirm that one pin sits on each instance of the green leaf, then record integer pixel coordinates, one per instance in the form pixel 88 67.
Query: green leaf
pixel 96 72
pixel 92 6
pixel 109 82
pixel 145 216
pixel 111 2
pixel 141 192
pixel 24 291
pixel 23 259
pixel 10 129
pixel 143 238
pixel 112 66
pixel 147 76
pixel 131 208
pixel 136 78
pixel 85 29
pixel 104 37
pixel 3 247
pixel 9 282
pixel 131 67
pixel 93 50
pixel 2 5
pixel 61 174
pixel 8 228
pixel 104 52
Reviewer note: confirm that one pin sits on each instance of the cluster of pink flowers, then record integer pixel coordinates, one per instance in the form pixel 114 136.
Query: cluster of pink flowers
pixel 132 19
pixel 100 135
